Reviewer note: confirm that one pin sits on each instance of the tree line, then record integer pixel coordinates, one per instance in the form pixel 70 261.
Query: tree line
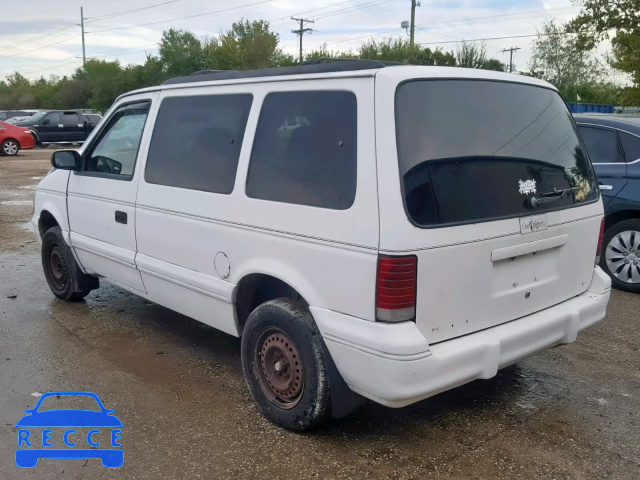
pixel 247 45
pixel 561 54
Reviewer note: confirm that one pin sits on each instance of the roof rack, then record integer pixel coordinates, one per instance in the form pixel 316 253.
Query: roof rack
pixel 381 63
pixel 318 65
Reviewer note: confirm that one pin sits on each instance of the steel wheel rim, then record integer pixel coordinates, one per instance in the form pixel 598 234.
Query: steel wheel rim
pixel 623 257
pixel 57 267
pixel 280 368
pixel 10 147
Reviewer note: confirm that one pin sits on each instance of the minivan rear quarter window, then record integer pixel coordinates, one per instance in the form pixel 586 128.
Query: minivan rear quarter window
pixel 197 140
pixel 480 150
pixel 304 150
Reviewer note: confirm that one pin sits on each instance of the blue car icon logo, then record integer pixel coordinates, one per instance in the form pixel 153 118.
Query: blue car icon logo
pixel 36 432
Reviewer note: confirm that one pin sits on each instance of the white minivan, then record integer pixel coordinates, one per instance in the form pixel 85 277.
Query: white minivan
pixel 369 231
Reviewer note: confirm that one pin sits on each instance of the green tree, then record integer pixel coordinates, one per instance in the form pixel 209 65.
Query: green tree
pixel 494 64
pixel 180 53
pixel 557 58
pixel 471 55
pixel 247 45
pixel 105 82
pixel 595 23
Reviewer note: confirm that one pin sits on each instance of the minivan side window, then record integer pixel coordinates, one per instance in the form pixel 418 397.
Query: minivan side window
pixel 197 140
pixel 601 144
pixel 631 146
pixel 114 152
pixel 304 151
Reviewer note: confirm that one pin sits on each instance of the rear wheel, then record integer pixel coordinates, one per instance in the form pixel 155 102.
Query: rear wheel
pixel 10 147
pixel 61 271
pixel 621 255
pixel 285 364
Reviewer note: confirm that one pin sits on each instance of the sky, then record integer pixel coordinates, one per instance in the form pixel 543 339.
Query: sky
pixel 42 37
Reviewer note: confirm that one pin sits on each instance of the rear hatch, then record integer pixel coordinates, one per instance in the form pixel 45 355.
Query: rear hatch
pixel 501 200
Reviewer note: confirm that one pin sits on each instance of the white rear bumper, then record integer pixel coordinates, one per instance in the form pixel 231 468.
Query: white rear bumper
pixel 393 364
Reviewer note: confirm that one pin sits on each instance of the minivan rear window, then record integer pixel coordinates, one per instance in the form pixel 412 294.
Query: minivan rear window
pixel 479 150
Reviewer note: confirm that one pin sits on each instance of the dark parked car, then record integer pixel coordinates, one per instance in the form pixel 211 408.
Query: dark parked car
pixel 613 143
pixel 60 126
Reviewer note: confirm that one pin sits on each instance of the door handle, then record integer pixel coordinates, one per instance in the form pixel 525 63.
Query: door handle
pixel 121 217
pixel 606 188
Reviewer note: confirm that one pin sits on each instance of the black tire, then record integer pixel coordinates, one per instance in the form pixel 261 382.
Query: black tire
pixel 284 330
pixel 10 147
pixel 620 249
pixel 63 275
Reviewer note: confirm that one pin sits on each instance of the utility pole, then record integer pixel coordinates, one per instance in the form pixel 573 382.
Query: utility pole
pixel 511 50
pixel 414 4
pixel 301 31
pixel 84 55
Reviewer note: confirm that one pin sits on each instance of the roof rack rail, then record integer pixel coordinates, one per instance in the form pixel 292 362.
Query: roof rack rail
pixel 317 61
pixel 202 72
pixel 319 65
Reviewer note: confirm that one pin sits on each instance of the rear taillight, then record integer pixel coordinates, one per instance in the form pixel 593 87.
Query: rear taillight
pixel 600 241
pixel 396 289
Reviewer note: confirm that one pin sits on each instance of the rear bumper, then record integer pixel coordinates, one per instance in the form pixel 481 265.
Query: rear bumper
pixel 393 364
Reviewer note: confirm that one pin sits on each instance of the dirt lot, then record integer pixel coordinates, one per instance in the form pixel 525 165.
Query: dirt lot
pixel 177 386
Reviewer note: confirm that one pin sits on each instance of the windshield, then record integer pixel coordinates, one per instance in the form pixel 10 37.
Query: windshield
pixel 37 116
pixel 477 150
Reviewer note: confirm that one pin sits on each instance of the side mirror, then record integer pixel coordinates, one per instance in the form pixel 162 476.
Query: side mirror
pixel 66 160
pixel 46 121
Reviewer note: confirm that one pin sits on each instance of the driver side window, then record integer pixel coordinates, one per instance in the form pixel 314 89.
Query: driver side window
pixel 116 149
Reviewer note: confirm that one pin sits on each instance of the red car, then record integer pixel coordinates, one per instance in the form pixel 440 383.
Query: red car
pixel 14 139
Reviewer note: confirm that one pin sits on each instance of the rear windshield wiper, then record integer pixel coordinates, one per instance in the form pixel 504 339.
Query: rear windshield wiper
pixel 548 197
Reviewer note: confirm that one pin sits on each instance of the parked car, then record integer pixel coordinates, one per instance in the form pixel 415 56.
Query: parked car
pixel 59 126
pixel 613 143
pixel 8 114
pixel 379 249
pixel 13 139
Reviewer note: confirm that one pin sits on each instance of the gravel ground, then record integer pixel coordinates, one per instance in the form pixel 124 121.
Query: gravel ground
pixel 177 386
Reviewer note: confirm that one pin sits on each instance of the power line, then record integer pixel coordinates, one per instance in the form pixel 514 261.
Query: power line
pixel 351 9
pixel 48 33
pixel 490 17
pixel 183 18
pixel 40 48
pixel 126 12
pixel 39 37
pixel 301 31
pixel 482 39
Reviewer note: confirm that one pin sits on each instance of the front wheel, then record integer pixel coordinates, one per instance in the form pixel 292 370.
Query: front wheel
pixel 10 147
pixel 63 275
pixel 621 255
pixel 285 364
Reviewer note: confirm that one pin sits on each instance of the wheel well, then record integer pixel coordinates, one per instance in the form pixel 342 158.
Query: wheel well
pixel 256 289
pixel 617 217
pixel 46 222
